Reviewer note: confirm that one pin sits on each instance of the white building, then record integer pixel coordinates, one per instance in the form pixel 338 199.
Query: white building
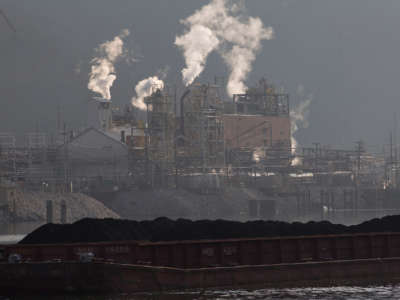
pixel 96 155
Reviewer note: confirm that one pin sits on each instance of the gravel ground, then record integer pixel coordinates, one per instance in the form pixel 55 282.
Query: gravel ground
pixel 31 206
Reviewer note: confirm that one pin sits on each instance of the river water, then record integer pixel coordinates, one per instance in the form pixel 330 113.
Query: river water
pixel 14 232
pixel 386 292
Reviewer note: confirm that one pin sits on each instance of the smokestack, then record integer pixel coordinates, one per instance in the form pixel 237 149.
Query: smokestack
pixel 123 136
pixel 146 88
pixel 100 113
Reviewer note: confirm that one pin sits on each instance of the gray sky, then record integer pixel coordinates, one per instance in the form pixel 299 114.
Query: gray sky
pixel 344 52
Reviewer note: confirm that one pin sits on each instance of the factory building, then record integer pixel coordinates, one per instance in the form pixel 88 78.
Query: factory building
pixel 258 121
pixel 252 131
pixel 95 153
pixel 100 157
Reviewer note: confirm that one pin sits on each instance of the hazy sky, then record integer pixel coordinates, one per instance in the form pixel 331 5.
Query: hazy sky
pixel 346 53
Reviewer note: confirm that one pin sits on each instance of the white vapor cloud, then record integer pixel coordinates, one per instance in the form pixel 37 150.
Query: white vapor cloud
pixel 197 43
pixel 102 72
pixel 222 25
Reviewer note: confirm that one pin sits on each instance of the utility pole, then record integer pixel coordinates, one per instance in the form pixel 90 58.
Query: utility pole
pixel 65 157
pixel 317 146
pixel 396 158
pixel 146 144
pixel 58 120
pixel 385 166
pixel 175 139
pixel 359 150
pixel 391 158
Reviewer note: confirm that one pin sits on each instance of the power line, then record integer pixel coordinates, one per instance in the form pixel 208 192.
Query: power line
pixel 8 21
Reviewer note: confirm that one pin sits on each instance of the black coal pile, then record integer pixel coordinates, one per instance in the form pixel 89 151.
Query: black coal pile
pixel 164 229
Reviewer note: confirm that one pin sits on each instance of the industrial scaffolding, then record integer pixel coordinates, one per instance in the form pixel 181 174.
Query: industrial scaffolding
pixel 185 142
pixel 159 138
pixel 8 155
pixel 200 138
pixel 262 100
pixel 35 164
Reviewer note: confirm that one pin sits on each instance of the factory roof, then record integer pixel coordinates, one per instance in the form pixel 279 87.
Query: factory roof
pixel 84 132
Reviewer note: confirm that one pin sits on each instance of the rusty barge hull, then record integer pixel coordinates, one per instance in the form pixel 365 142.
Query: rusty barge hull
pixel 224 252
pixel 76 277
pixel 135 266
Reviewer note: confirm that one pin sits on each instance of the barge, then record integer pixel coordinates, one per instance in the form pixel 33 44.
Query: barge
pixel 138 266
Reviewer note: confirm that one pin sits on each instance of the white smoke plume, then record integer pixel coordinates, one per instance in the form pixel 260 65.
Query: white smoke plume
pixel 145 88
pixel 102 72
pixel 197 43
pixel 247 42
pixel 239 61
pixel 221 25
pixel 299 119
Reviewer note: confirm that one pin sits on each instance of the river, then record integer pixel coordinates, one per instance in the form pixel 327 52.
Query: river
pixel 386 292
pixel 14 232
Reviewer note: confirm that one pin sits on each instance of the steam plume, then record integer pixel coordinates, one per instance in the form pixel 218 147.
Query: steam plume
pixel 258 154
pixel 102 73
pixel 239 61
pixel 299 119
pixel 246 41
pixel 221 25
pixel 197 43
pixel 145 88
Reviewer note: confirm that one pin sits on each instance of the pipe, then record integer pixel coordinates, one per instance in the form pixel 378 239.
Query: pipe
pixel 182 111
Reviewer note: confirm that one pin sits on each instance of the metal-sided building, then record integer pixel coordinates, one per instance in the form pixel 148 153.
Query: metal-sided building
pixel 95 155
pixel 258 122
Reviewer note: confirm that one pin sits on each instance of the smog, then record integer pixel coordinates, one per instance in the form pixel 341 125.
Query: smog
pixel 241 135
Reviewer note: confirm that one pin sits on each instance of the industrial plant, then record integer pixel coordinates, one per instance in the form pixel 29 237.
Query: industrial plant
pixel 199 150
pixel 207 145
pixel 156 150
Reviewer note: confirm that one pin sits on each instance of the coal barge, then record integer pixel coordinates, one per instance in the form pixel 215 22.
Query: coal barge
pixel 137 266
